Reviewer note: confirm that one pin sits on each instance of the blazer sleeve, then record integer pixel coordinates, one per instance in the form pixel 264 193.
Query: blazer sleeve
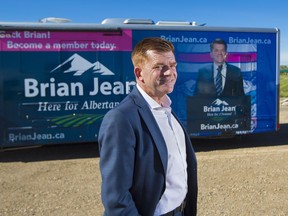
pixel 116 142
pixel 205 82
pixel 234 82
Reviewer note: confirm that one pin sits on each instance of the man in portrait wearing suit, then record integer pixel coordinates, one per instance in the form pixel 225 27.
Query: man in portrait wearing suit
pixel 147 162
pixel 219 78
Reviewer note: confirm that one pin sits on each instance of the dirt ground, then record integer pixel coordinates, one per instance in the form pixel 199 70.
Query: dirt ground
pixel 245 176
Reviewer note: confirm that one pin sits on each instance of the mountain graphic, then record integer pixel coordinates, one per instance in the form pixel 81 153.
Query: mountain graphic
pixel 219 102
pixel 78 65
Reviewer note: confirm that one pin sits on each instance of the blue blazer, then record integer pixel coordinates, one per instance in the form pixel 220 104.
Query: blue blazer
pixel 133 160
pixel 233 84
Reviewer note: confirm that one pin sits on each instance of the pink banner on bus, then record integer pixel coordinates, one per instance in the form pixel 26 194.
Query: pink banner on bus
pixel 205 57
pixel 66 41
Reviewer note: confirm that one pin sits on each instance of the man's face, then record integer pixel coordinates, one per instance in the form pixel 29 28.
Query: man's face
pixel 218 54
pixel 157 76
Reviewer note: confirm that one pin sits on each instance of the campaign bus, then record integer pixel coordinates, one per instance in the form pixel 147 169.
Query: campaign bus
pixel 58 80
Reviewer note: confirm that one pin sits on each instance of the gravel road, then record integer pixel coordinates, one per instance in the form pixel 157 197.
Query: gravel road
pixel 245 176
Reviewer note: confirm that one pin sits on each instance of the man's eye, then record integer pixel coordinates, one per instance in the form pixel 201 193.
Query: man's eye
pixel 173 66
pixel 159 67
pixel 165 67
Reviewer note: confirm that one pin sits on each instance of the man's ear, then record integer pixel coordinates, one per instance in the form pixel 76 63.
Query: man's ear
pixel 137 72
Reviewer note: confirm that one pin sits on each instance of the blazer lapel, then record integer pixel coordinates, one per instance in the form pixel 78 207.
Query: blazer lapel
pixel 227 87
pixel 211 76
pixel 152 125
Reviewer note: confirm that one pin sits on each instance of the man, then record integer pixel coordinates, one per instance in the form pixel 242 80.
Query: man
pixel 220 78
pixel 147 161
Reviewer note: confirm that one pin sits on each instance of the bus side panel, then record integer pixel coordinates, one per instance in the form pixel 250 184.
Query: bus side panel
pixel 56 86
pixel 57 89
pixel 255 53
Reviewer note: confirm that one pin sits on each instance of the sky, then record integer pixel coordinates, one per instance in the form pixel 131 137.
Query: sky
pixel 224 13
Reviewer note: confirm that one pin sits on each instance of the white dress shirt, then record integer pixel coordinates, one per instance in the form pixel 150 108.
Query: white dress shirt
pixel 176 176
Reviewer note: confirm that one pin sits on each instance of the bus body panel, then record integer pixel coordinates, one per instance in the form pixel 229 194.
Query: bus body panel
pixel 57 81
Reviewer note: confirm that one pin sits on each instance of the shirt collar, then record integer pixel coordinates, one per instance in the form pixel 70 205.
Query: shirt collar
pixel 166 101
pixel 223 66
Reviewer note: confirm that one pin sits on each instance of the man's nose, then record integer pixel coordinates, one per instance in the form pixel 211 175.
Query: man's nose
pixel 169 72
